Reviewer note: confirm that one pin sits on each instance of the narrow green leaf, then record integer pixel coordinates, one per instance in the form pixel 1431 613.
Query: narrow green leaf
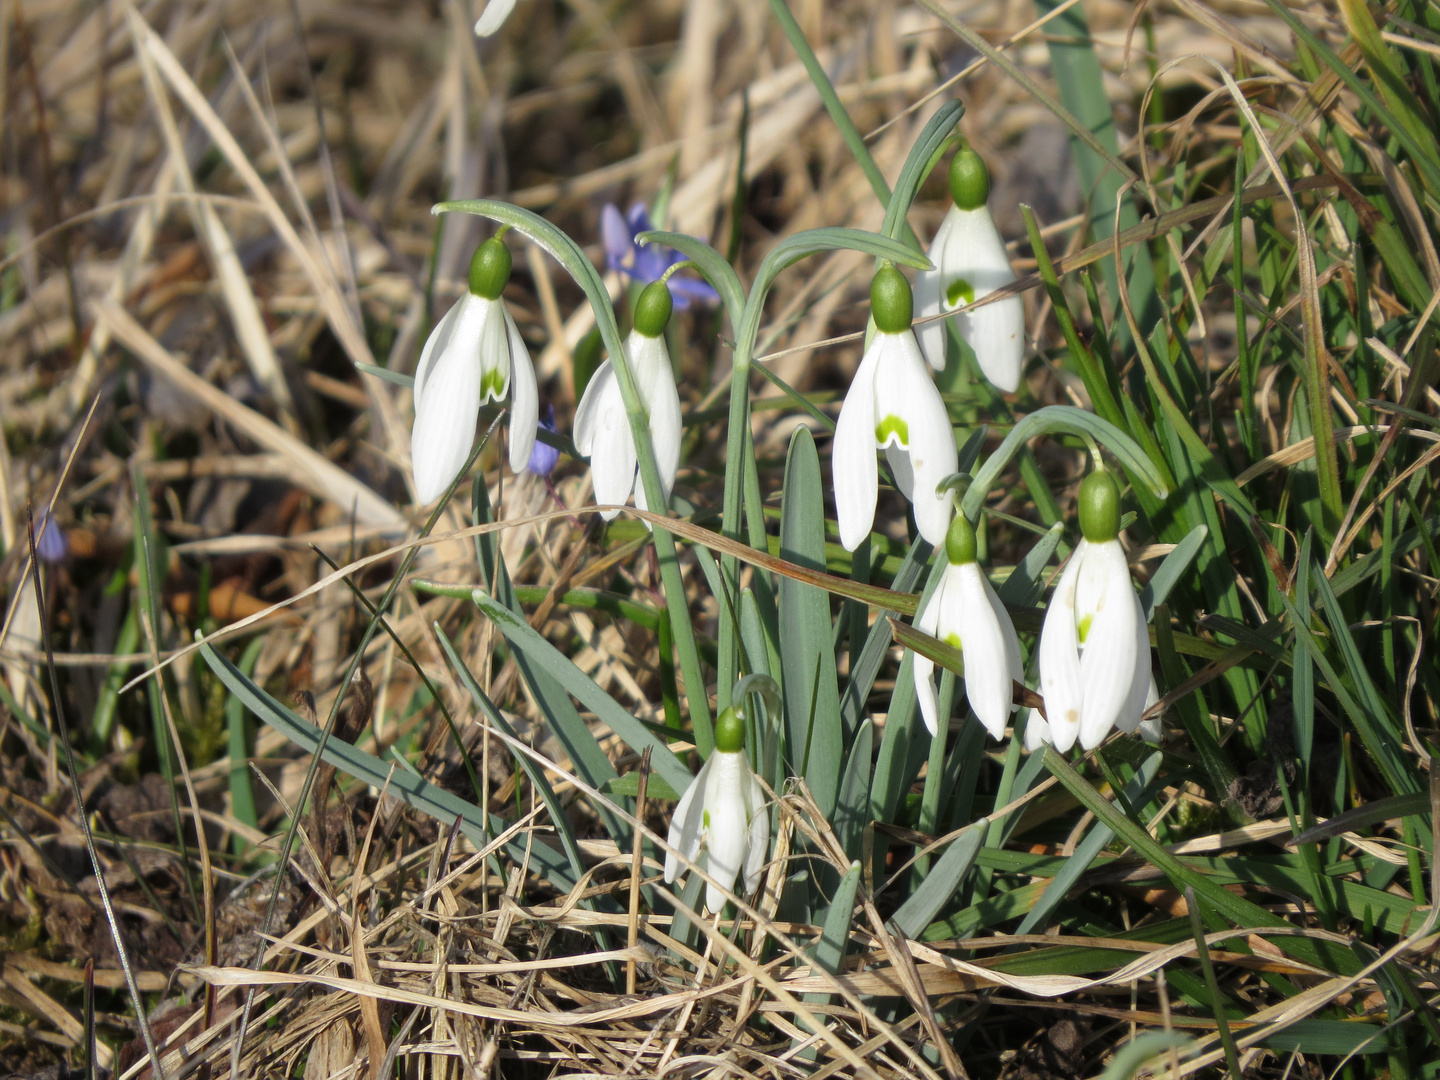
pixel 581 743
pixel 536 775
pixel 829 952
pixel 396 377
pixel 1087 850
pixel 812 700
pixel 1174 567
pixel 442 805
pixel 938 886
pixel 852 807
pixel 242 790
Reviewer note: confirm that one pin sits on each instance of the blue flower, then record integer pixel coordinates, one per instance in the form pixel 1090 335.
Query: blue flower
pixel 544 457
pixel 648 262
pixel 50 543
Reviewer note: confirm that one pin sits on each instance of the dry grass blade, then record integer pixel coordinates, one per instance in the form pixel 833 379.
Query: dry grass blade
pixel 322 477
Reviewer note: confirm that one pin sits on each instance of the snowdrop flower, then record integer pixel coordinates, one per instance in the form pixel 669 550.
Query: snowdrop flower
pixel 493 17
pixel 475 354
pixel 1094 648
pixel 970 263
pixel 893 405
pixel 723 811
pixel 602 427
pixel 647 262
pixel 965 612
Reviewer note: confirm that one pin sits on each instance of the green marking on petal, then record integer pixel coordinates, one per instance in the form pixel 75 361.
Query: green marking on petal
pixel 892 425
pixel 493 385
pixel 953 640
pixel 958 290
pixel 707 819
pixel 1083 628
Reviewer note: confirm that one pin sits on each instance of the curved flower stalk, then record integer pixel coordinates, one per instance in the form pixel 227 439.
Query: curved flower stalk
pixel 722 811
pixel 970 263
pixel 602 427
pixel 893 405
pixel 648 262
pixel 965 612
pixel 1094 648
pixel 475 354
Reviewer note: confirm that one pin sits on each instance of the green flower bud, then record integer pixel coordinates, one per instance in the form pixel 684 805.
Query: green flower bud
pixel 490 269
pixel 969 180
pixel 960 541
pixel 890 301
pixel 1099 507
pixel 729 732
pixel 652 310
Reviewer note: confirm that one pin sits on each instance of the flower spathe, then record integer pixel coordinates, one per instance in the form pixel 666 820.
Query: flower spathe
pixel 965 612
pixel 1094 647
pixel 602 427
pixel 475 354
pixel 893 405
pixel 971 263
pixel 723 812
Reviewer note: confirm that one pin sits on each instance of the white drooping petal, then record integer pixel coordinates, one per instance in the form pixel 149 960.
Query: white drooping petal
pixel 588 411
pixel 759 833
pixel 602 430
pixel 1060 658
pixel 1037 732
pixel 524 398
pixel 727 824
pixel 928 292
pixel 447 398
pixel 687 823
pixel 985 629
pixel 927 622
pixel 909 409
pixel 852 453
pixel 436 343
pixel 974 264
pixel 493 17
pixel 1106 598
pixel 650 365
pixel 1142 685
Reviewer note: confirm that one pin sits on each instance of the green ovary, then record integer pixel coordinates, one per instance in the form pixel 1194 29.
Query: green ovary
pixel 892 425
pixel 493 384
pixel 1083 628
pixel 960 289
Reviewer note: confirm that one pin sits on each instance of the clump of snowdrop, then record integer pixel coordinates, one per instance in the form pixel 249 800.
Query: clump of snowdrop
pixel 475 354
pixel 971 263
pixel 602 427
pixel 1094 647
pixel 723 813
pixel 893 405
pixel 965 612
